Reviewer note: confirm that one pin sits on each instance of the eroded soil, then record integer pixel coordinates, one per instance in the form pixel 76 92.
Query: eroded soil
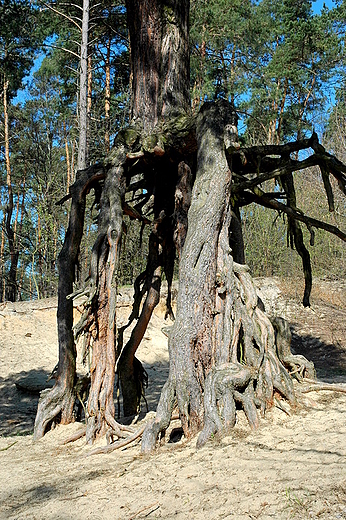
pixel 294 466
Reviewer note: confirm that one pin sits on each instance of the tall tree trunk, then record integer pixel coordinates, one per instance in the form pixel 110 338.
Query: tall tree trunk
pixel 222 346
pixel 107 95
pixel 11 284
pixel 159 59
pixel 191 340
pixel 83 91
pixel 58 402
pixel 100 413
pixel 145 28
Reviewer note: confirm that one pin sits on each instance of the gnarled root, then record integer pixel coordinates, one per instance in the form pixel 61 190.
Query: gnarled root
pixel 53 402
pixel 226 385
pixel 298 365
pixel 162 419
pixel 119 444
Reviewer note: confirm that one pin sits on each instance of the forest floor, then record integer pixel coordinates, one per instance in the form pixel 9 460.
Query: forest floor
pixel 294 466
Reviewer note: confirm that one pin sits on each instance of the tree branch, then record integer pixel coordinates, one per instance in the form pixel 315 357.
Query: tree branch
pixel 290 167
pixel 260 198
pixel 61 14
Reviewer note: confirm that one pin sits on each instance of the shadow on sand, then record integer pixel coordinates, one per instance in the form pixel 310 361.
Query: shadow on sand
pixel 19 393
pixel 329 359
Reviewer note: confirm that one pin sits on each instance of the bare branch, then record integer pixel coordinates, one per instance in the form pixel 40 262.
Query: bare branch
pixel 63 49
pixel 289 167
pixel 69 18
pixel 259 197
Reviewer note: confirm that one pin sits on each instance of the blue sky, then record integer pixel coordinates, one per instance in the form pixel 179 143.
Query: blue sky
pixel 317 6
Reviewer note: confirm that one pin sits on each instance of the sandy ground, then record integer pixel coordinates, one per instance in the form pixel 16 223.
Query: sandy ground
pixel 292 467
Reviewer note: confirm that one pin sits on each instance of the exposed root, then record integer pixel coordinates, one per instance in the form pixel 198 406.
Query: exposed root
pixel 74 437
pixel 162 419
pixel 317 386
pixel 223 350
pixel 298 365
pixel 282 405
pixel 226 385
pixel 119 444
pixel 53 401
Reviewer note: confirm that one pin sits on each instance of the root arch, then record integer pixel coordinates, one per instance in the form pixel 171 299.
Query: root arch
pixel 188 180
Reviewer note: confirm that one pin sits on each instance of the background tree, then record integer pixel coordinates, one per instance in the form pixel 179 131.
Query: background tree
pixel 17 48
pixel 48 118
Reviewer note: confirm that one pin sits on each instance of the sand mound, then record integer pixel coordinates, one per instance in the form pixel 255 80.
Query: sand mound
pixel 293 467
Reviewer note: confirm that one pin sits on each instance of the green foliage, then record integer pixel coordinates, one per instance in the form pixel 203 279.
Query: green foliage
pixel 294 61
pixel 221 34
pixel 44 130
pixel 18 41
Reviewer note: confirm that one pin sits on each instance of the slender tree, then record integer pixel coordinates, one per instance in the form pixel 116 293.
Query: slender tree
pixel 83 90
pixel 17 49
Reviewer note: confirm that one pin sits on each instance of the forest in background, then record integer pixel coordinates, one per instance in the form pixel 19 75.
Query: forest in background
pixel 281 64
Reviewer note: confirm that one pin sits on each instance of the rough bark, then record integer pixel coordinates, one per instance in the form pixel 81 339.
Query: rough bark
pixel 224 351
pixel 182 196
pixel 159 59
pixel 57 403
pixel 102 298
pixel 223 348
pixel 191 339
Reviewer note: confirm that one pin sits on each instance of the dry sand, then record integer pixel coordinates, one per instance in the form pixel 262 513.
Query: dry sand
pixel 292 467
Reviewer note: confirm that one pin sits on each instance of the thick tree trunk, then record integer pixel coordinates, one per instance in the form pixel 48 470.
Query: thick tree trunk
pixel 160 90
pixel 102 299
pixel 59 401
pixel 222 346
pixel 145 28
pixel 192 343
pixel 159 59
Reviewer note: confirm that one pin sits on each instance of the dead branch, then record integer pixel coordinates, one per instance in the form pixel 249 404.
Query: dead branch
pixel 74 437
pixel 134 213
pixel 259 196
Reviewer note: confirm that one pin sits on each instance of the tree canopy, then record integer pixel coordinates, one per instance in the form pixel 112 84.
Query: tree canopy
pixel 279 66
